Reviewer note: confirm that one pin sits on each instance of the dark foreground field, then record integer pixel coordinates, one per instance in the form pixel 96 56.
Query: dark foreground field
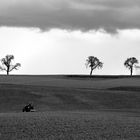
pixel 70 126
pixel 70 108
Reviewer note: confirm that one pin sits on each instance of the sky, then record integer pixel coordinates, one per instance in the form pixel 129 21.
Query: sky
pixel 57 36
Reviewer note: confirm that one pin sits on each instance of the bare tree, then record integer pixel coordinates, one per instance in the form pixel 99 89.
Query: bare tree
pixel 93 63
pixel 130 63
pixel 7 64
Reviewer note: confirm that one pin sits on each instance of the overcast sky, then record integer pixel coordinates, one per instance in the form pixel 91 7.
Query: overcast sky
pixel 56 36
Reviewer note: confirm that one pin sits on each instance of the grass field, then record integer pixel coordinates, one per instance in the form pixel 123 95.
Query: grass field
pixel 70 107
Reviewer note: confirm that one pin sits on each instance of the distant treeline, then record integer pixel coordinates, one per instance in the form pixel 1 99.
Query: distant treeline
pixel 94 63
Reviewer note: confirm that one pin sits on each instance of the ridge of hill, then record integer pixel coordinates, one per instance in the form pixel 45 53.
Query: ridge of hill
pixel 69 92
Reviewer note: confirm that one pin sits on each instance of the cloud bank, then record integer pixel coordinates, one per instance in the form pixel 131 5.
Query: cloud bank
pixel 84 15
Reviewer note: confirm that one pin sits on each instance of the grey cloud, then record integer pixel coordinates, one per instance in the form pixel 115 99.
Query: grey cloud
pixel 84 15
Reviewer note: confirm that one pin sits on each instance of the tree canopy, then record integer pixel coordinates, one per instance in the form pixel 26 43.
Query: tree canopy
pixel 7 64
pixel 93 62
pixel 129 63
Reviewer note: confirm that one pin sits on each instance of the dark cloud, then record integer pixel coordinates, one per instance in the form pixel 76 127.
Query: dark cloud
pixel 85 15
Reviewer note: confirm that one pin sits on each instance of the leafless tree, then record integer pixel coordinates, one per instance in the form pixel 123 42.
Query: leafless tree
pixel 7 64
pixel 130 63
pixel 93 63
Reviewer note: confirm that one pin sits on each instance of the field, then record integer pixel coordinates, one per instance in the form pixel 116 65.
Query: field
pixel 70 107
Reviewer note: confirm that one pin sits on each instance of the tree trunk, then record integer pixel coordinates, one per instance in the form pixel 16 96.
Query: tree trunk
pixel 7 72
pixel 91 72
pixel 131 71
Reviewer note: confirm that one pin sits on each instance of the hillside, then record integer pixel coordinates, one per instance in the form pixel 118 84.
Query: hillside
pixel 64 92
